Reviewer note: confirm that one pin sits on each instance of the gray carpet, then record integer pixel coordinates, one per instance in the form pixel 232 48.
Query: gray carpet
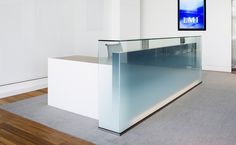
pixel 204 116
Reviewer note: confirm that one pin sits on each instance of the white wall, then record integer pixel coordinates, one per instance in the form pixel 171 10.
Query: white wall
pixel 33 30
pixel 159 18
pixel 92 22
pixel 130 19
pixel 125 19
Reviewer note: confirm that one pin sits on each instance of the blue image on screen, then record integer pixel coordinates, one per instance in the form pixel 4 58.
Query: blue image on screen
pixel 191 14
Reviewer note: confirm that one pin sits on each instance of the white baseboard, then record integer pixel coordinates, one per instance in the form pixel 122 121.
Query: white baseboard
pixel 217 68
pixel 18 88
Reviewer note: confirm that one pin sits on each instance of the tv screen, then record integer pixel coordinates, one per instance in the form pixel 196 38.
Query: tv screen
pixel 192 14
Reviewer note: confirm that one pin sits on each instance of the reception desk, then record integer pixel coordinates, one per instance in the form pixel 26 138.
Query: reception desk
pixel 128 81
pixel 73 84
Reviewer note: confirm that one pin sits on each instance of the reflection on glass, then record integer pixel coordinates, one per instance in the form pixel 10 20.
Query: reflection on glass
pixel 143 75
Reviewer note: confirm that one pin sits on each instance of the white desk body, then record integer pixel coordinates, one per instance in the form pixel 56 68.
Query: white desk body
pixel 73 84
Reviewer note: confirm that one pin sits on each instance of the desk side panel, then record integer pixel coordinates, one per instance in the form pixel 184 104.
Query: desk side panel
pixel 73 86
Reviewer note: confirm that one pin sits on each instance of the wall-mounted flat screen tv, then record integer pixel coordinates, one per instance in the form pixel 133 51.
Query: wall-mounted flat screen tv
pixel 192 14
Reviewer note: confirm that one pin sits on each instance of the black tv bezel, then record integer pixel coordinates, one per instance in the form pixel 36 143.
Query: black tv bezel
pixel 192 29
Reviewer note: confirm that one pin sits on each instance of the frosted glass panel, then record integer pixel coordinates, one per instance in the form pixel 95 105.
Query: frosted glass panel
pixel 144 78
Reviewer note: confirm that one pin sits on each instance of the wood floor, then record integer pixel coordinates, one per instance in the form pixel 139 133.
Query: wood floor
pixel 23 96
pixel 16 130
